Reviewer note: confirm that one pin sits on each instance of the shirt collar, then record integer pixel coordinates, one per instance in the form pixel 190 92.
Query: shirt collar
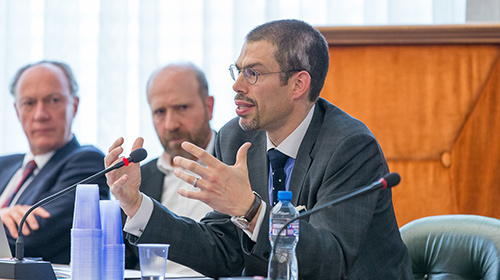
pixel 164 160
pixel 290 146
pixel 40 160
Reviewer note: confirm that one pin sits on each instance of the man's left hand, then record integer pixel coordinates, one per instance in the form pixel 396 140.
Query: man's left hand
pixel 224 188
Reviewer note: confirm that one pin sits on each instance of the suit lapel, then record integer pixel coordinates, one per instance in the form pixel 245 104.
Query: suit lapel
pixel 8 169
pixel 304 155
pixel 39 183
pixel 258 166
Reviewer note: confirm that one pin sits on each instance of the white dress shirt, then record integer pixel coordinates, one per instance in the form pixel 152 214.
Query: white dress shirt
pixel 290 147
pixel 41 161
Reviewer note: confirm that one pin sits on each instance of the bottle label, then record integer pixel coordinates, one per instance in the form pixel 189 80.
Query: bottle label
pixel 292 229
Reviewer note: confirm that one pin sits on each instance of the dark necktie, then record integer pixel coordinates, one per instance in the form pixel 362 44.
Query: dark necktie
pixel 28 170
pixel 278 161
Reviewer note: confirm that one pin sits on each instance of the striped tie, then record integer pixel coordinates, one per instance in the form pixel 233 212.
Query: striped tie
pixel 28 170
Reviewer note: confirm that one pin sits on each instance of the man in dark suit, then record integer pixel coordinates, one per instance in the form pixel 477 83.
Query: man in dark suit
pixel 278 78
pixel 181 110
pixel 46 102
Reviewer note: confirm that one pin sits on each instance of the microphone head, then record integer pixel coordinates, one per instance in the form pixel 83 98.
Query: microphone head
pixel 392 179
pixel 138 155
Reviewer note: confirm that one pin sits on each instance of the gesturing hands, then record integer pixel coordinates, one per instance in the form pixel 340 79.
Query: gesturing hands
pixel 224 188
pixel 125 182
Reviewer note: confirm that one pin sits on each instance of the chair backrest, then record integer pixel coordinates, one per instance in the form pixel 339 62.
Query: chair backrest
pixel 454 247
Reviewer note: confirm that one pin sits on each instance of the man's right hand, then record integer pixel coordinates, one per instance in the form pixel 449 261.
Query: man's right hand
pixel 125 182
pixel 11 217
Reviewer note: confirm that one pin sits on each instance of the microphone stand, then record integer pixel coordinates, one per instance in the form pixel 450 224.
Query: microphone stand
pixel 388 181
pixel 20 268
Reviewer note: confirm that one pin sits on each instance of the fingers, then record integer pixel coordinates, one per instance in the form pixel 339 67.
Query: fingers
pixel 241 157
pixel 209 160
pixel 32 221
pixel 10 224
pixel 40 211
pixel 188 164
pixel 118 142
pixel 12 217
pixel 138 143
pixel 190 179
pixel 125 182
pixel 200 153
pixel 191 194
pixel 17 214
pixel 113 156
pixel 204 156
pixel 116 150
pixel 117 186
pixel 130 199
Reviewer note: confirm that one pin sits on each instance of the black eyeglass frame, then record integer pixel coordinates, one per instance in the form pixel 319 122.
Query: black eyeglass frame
pixel 250 72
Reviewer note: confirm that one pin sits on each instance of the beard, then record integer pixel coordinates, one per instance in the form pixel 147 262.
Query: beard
pixel 252 124
pixel 199 138
pixel 175 149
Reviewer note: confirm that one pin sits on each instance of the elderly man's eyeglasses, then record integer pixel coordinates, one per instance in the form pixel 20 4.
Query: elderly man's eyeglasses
pixel 251 76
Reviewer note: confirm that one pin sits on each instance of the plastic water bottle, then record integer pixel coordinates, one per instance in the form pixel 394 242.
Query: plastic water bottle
pixel 283 261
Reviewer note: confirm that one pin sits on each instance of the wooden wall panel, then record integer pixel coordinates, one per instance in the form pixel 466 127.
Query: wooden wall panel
pixel 432 104
pixel 425 190
pixel 475 157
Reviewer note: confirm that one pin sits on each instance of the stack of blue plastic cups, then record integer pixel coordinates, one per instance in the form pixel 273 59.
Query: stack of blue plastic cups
pixel 86 235
pixel 113 253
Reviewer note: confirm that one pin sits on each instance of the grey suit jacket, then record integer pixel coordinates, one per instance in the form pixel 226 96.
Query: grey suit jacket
pixel 151 185
pixel 358 239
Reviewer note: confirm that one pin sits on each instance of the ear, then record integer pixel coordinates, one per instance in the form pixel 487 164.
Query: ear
pixel 76 101
pixel 302 84
pixel 17 112
pixel 209 102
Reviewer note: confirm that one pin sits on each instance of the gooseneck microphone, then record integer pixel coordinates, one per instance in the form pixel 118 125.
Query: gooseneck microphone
pixel 388 181
pixel 15 267
pixel 135 156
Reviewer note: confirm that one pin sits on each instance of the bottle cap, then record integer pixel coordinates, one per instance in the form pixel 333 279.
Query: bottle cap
pixel 285 195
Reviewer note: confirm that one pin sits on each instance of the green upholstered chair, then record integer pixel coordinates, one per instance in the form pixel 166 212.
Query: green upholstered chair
pixel 454 247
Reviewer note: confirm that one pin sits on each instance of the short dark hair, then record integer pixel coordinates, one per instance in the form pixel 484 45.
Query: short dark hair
pixel 73 85
pixel 200 76
pixel 298 46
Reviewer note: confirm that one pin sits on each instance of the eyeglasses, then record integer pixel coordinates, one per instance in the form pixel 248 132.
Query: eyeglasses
pixel 251 76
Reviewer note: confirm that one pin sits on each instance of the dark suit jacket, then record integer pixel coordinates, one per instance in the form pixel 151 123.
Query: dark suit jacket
pixel 358 239
pixel 152 180
pixel 70 164
pixel 152 185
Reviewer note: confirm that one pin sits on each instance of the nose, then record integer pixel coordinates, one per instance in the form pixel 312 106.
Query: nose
pixel 41 112
pixel 171 121
pixel 240 83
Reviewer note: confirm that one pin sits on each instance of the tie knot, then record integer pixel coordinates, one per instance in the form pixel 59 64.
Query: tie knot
pixel 30 166
pixel 277 158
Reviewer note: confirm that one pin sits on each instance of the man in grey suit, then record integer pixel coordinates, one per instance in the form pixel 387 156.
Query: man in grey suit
pixel 278 78
pixel 181 109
